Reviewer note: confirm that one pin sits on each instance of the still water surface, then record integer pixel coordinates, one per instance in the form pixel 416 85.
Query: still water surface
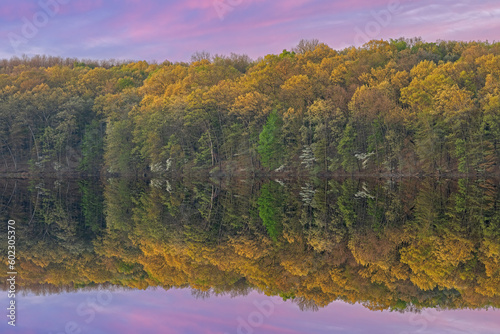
pixel 254 256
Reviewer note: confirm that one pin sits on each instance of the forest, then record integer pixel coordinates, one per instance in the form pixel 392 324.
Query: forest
pixel 398 107
pixel 401 246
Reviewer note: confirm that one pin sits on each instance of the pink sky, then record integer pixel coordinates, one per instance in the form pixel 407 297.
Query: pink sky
pixel 174 30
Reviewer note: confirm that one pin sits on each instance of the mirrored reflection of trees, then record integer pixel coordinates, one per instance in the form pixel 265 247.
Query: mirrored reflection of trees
pixel 388 245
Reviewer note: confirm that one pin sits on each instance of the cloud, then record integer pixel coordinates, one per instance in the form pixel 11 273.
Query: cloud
pixel 154 29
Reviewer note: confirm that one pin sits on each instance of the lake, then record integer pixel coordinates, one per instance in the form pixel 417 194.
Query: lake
pixel 346 255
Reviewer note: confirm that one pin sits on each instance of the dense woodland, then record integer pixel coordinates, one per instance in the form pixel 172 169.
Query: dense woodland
pixel 400 246
pixel 390 107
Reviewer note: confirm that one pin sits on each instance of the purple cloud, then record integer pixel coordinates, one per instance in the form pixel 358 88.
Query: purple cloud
pixel 154 29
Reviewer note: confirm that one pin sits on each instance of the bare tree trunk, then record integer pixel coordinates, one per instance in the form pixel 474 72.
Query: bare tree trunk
pixel 12 155
pixel 34 142
pixel 211 148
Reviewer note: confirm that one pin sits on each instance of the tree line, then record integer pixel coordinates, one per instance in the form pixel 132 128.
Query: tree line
pixel 402 106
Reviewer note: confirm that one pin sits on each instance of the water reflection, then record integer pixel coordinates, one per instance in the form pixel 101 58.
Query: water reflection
pixel 391 245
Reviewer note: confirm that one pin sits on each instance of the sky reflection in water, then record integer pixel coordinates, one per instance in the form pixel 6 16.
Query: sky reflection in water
pixel 178 311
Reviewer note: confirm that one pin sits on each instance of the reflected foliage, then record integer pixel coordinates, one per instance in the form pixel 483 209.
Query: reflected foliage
pixel 389 245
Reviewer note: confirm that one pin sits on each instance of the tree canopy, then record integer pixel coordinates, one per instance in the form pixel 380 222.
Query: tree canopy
pixel 396 107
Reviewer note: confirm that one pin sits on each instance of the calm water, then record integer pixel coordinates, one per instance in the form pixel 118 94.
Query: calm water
pixel 253 256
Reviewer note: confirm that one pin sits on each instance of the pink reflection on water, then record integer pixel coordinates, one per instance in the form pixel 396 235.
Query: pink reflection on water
pixel 177 311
